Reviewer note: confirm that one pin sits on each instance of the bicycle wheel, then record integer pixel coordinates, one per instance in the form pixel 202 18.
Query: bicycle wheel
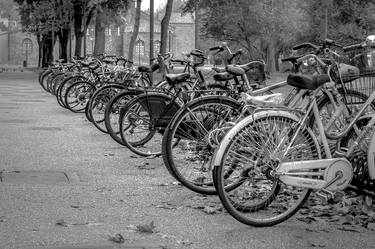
pixel 192 136
pixel 354 101
pixel 98 102
pixel 56 81
pixel 113 110
pixel 247 159
pixel 143 121
pixel 61 90
pixel 78 94
pixel 43 79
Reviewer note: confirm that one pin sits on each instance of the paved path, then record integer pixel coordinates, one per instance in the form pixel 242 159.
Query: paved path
pixel 82 187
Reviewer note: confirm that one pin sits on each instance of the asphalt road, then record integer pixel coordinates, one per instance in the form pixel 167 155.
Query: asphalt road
pixel 111 191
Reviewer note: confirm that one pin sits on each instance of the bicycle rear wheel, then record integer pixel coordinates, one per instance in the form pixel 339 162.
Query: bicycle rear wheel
pixel 247 160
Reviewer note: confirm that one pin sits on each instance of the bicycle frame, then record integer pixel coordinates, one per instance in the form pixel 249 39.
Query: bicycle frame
pixel 313 107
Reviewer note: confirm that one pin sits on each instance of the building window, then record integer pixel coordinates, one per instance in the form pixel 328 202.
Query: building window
pixel 156 47
pixel 140 48
pixel 27 46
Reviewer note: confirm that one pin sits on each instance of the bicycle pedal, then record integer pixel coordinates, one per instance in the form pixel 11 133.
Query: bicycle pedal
pixel 326 195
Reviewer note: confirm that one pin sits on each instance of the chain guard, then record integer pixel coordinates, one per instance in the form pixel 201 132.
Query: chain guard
pixel 325 174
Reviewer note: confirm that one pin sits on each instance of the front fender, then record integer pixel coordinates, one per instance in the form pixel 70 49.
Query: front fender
pixel 220 153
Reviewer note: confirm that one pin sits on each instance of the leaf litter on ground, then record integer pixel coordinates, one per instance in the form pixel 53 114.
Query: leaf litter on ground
pixel 146 228
pixel 349 212
pixel 118 238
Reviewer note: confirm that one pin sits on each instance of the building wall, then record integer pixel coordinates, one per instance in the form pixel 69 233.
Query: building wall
pixel 3 48
pixel 184 42
pixel 18 49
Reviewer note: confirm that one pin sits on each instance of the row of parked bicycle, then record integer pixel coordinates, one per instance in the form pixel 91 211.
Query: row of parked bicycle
pixel 261 147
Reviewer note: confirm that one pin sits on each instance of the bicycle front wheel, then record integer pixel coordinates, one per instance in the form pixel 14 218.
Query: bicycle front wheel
pixel 192 136
pixel 247 160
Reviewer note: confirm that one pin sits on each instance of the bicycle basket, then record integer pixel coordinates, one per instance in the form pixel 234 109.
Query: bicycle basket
pixel 354 80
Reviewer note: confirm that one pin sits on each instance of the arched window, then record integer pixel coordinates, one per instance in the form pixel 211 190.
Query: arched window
pixel 27 45
pixel 140 48
pixel 156 47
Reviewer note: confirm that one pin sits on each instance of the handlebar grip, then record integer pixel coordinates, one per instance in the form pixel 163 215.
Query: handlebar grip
pixel 216 48
pixel 305 45
pixel 198 51
pixel 352 47
pixel 196 54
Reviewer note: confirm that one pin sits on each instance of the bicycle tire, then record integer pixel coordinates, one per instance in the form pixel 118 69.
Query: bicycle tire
pixel 189 159
pixel 113 109
pixel 149 112
pixel 253 140
pixel 104 95
pixel 80 98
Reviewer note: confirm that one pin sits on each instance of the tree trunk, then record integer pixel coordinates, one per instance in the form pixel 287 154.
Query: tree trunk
pixel 271 51
pixel 78 27
pixel 135 29
pixel 64 40
pixel 164 27
pixel 47 49
pixel 47 53
pixel 100 25
pixel 40 49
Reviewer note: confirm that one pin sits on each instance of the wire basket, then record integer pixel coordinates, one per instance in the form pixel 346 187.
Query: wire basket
pixel 364 83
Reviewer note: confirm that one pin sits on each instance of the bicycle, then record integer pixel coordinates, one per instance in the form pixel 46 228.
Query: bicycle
pixel 268 163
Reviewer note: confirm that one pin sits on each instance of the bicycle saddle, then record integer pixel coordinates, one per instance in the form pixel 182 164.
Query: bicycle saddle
pixel 223 76
pixel 239 70
pixel 310 82
pixel 173 79
pixel 148 69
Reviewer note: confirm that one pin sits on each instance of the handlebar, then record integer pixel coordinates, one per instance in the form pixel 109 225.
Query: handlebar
pixel 220 48
pixel 353 47
pixel 308 56
pixel 306 45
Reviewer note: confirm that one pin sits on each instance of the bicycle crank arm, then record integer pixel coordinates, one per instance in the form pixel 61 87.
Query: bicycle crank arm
pixel 329 174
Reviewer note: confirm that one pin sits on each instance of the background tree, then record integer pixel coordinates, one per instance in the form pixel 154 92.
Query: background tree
pixel 134 34
pixel 165 26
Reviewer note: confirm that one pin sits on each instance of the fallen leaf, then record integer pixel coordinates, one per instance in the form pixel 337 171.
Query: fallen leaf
pixel 312 244
pixel 166 206
pixel 184 242
pixel 210 210
pixel 61 222
pixel 118 238
pixel 163 184
pixel 145 165
pixel 147 228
